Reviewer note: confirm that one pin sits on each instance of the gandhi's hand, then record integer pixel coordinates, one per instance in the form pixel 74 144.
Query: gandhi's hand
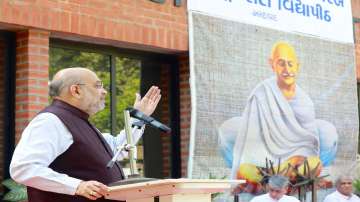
pixel 91 189
pixel 148 103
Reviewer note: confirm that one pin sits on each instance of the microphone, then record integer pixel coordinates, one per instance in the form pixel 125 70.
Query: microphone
pixel 147 119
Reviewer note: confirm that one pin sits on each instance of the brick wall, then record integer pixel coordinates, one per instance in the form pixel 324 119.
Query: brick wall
pixel 139 22
pixel 32 64
pixel 355 5
pixel 185 115
pixel 165 113
pixel 185 112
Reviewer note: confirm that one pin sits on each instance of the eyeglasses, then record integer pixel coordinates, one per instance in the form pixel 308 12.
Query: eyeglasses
pixel 98 85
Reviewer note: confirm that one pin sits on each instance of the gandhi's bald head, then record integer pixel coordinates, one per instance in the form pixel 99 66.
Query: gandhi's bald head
pixel 283 48
pixel 65 78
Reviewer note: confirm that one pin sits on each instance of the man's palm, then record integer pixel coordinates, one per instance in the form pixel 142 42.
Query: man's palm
pixel 148 103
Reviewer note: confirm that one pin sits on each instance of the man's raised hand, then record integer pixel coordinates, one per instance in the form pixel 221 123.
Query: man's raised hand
pixel 148 103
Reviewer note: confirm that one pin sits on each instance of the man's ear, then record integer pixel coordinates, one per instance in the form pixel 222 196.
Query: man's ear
pixel 75 91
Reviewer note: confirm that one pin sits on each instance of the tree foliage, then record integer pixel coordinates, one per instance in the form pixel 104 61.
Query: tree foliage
pixel 17 192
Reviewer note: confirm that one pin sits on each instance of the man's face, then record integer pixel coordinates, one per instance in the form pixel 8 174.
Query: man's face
pixel 93 99
pixel 344 186
pixel 276 193
pixel 285 65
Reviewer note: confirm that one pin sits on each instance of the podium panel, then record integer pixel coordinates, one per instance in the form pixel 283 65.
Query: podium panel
pixel 171 190
pixel 141 200
pixel 186 197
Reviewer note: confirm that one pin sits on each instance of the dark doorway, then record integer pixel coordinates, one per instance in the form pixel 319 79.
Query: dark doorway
pixel 7 100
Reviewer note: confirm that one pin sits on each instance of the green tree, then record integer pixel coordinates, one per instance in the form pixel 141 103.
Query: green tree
pixel 127 85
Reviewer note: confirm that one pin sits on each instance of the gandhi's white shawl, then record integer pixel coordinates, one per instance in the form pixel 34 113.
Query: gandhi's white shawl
pixel 273 127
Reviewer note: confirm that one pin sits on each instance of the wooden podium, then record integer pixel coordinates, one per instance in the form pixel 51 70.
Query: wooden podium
pixel 171 190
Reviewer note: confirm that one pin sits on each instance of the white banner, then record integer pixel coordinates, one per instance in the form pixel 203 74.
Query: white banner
pixel 259 94
pixel 326 19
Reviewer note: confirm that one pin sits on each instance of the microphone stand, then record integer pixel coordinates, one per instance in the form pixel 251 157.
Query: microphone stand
pixel 124 147
pixel 134 177
pixel 133 169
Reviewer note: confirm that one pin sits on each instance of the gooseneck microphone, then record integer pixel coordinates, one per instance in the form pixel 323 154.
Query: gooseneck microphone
pixel 147 119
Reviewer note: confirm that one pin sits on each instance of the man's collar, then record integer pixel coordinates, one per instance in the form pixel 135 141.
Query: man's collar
pixel 78 112
pixel 343 196
pixel 269 197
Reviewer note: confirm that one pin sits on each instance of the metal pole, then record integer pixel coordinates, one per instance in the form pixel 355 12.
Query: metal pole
pixel 113 94
pixel 313 191
pixel 236 198
pixel 129 140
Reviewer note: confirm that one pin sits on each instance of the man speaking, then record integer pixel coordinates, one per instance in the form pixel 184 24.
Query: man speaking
pixel 61 156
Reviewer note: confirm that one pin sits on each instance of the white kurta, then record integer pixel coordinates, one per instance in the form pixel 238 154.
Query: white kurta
pixel 267 198
pixel 338 197
pixel 43 140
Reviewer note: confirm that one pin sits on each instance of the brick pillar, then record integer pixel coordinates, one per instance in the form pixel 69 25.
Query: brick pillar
pixel 165 118
pixel 32 73
pixel 185 112
pixel 185 115
pixel 355 6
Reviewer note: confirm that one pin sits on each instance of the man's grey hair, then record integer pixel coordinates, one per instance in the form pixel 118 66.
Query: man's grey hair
pixel 278 181
pixel 57 86
pixel 340 178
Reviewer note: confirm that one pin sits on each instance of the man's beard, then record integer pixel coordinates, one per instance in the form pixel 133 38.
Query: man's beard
pixel 96 107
